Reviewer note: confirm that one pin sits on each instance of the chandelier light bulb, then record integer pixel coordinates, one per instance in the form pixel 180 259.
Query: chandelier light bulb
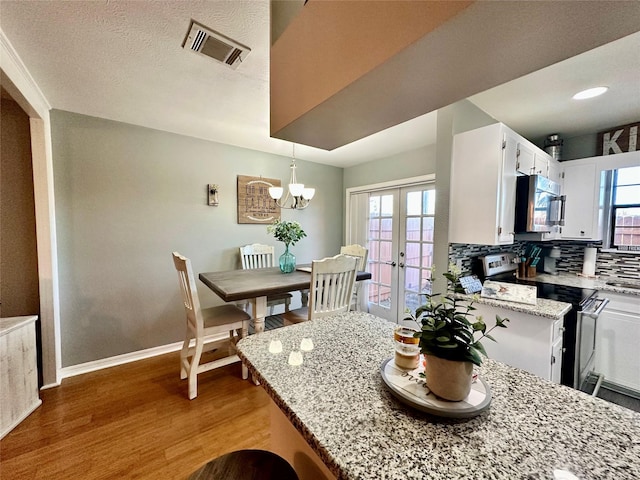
pixel 296 189
pixel 276 192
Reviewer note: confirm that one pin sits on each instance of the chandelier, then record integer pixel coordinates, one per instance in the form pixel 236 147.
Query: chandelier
pixel 297 195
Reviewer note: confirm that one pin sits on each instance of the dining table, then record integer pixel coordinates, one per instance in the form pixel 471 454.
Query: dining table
pixel 254 285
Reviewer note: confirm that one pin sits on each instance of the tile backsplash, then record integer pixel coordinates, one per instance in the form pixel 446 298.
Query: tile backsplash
pixel 608 263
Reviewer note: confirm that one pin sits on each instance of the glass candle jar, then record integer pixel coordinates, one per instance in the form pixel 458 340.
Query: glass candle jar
pixel 407 350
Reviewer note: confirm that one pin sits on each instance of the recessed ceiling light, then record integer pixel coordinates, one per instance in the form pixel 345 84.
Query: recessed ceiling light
pixel 590 93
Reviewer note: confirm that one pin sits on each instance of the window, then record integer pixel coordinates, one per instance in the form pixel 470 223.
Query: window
pixel 625 209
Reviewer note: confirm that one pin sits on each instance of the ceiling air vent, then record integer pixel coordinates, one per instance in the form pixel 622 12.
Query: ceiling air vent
pixel 209 43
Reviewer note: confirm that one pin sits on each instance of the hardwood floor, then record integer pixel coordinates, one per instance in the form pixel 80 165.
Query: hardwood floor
pixel 135 421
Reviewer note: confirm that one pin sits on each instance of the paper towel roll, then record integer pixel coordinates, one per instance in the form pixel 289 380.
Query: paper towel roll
pixel 589 265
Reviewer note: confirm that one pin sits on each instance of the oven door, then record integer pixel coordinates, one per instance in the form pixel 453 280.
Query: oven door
pixel 587 321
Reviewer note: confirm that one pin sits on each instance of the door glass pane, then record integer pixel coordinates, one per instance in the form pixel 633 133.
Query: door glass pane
pixel 374 228
pixel 387 205
pixel 412 258
pixel 413 228
pixel 429 197
pixel 374 206
pixel 386 228
pixel 414 203
pixel 427 255
pixel 427 229
pixel 374 246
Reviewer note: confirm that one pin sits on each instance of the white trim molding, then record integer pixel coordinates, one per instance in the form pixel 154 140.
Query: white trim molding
pixel 22 87
pixel 95 365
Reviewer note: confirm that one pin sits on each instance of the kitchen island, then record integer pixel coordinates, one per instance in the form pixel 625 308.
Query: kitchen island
pixel 344 423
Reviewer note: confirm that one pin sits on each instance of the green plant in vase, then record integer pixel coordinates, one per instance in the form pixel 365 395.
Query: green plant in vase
pixel 450 338
pixel 290 233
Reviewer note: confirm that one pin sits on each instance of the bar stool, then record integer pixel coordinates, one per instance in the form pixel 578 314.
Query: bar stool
pixel 246 465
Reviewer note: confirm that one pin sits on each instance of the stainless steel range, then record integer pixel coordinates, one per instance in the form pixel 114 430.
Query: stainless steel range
pixel 580 322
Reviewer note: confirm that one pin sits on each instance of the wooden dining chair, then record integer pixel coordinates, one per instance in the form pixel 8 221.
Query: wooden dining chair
pixel 206 322
pixel 331 288
pixel 362 254
pixel 263 256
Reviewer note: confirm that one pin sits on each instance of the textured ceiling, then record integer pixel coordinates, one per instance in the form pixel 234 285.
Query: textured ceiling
pixel 124 61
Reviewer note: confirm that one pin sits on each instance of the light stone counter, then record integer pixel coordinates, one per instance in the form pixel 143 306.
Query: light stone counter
pixel 593 283
pixel 337 402
pixel 543 307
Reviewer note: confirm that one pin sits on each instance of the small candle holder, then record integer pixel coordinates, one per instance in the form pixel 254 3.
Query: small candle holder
pixel 306 345
pixel 295 358
pixel 275 346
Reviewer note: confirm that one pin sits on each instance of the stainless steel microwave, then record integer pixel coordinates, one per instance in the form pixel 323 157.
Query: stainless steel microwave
pixel 539 205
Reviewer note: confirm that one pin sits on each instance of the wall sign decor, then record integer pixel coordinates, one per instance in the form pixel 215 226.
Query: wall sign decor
pixel 255 205
pixel 619 139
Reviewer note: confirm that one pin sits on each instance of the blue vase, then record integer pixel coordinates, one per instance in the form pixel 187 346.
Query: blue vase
pixel 287 261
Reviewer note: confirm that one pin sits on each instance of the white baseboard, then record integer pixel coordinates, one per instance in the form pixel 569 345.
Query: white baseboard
pixel 87 367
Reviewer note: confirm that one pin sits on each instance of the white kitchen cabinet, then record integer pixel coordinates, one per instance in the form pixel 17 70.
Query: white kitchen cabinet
pixel 18 371
pixel 483 186
pixel 541 163
pixel 554 171
pixel 531 160
pixel 530 342
pixel 526 158
pixel 617 340
pixel 581 187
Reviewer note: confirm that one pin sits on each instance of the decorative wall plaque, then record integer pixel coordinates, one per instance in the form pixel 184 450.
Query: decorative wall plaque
pixel 619 139
pixel 254 203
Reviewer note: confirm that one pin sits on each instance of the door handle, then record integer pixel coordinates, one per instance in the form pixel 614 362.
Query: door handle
pixel 393 264
pixel 401 265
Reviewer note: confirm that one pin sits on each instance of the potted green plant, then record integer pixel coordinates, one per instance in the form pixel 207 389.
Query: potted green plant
pixel 290 233
pixel 450 339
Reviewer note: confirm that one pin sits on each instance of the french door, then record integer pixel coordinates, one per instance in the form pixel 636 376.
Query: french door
pixel 400 241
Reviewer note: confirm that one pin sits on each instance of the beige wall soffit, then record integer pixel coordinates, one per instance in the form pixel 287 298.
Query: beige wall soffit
pixel 340 72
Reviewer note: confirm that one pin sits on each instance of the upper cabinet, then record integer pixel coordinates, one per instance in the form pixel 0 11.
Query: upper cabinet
pixel 483 186
pixel 533 161
pixel 581 187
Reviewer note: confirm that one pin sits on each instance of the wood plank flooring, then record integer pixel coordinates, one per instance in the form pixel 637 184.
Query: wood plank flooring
pixel 135 421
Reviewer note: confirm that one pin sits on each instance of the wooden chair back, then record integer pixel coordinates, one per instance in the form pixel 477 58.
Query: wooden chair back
pixel 332 281
pixel 358 251
pixel 257 256
pixel 189 293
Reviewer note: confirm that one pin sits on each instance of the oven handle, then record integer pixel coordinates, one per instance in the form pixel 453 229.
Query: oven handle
pixel 596 314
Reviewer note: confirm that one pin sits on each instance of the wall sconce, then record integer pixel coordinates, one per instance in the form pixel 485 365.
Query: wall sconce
pixel 212 190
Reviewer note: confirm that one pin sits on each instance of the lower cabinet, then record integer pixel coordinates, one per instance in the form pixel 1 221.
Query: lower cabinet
pixel 529 342
pixel 617 341
pixel 18 371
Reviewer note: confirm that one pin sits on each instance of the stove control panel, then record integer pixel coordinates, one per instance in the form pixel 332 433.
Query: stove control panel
pixel 498 263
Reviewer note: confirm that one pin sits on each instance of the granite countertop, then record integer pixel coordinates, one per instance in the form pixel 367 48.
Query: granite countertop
pixel 543 307
pixel 593 283
pixel 338 402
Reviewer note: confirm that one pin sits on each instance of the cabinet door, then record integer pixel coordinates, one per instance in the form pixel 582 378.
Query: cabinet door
pixel 507 213
pixel 617 340
pixel 581 191
pixel 525 159
pixel 541 164
pixel 555 171
pixel 556 361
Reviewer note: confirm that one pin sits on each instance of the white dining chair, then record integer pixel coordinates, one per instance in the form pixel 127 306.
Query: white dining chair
pixel 362 254
pixel 263 256
pixel 331 288
pixel 206 322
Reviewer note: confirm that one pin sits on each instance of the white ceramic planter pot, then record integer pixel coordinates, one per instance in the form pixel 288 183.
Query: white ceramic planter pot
pixel 448 379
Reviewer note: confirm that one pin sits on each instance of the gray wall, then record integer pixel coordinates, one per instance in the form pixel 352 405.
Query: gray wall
pixel 414 163
pixel 127 196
